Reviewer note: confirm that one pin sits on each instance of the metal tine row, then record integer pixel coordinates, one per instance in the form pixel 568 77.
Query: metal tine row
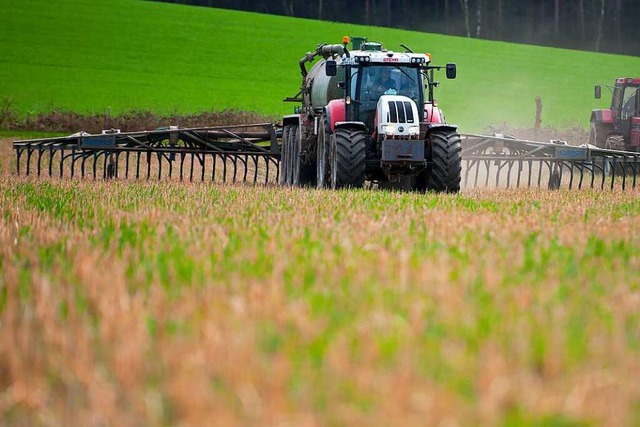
pixel 498 161
pixel 158 164
pixel 552 174
pixel 222 153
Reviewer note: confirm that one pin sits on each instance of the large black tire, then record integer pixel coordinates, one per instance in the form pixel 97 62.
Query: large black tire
pixel 347 157
pixel 598 134
pixel 322 152
pixel 306 171
pixel 291 170
pixel 446 161
pixel 284 156
pixel 294 150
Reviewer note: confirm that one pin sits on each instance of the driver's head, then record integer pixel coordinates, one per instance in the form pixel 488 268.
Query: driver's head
pixel 386 73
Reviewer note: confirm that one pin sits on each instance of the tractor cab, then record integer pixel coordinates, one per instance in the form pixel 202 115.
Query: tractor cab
pixel 624 103
pixel 389 87
pixel 371 84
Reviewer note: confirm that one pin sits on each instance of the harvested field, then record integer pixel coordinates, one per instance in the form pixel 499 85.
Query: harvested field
pixel 161 303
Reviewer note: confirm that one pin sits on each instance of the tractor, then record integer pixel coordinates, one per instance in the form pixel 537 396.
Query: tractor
pixel 369 115
pixel 618 127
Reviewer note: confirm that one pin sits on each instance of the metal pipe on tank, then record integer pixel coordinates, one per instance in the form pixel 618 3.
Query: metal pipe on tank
pixel 326 50
pixel 331 49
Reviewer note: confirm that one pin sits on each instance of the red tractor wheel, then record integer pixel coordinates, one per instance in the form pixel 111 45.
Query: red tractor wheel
pixel 598 135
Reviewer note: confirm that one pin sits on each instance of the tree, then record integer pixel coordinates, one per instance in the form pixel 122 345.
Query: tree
pixel 500 13
pixel 556 18
pixel 367 11
pixel 479 19
pixel 610 25
pixel 600 22
pixel 581 19
pixel 464 4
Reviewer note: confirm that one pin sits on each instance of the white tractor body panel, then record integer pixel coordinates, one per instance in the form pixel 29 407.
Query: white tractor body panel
pixel 398 117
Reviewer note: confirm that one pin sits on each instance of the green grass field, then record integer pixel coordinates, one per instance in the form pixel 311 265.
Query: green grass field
pixel 99 56
pixel 175 304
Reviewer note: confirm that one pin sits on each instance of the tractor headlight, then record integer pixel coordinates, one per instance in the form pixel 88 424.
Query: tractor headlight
pixel 390 130
pixel 414 130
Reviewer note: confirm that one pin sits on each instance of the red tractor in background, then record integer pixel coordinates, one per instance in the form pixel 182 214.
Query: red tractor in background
pixel 618 127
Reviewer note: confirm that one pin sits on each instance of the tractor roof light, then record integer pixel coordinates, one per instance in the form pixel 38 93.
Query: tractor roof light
pixel 345 40
pixel 363 58
pixel 428 55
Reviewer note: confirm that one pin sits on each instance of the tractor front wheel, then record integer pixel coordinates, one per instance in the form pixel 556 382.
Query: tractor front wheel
pixel 347 155
pixel 306 174
pixel 446 161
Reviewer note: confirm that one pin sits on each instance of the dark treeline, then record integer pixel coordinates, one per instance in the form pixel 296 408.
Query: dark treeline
pixel 598 25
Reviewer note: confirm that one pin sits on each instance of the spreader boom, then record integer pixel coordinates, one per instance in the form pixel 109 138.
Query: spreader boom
pixel 504 161
pixel 242 153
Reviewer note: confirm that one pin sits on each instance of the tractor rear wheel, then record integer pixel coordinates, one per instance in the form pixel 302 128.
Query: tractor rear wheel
pixel 598 135
pixel 322 151
pixel 306 166
pixel 294 150
pixel 347 155
pixel 615 142
pixel 284 156
pixel 290 168
pixel 446 161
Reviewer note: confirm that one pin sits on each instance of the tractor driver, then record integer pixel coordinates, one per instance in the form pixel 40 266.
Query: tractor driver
pixel 384 82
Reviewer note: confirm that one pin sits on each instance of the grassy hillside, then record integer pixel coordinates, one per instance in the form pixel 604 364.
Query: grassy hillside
pixel 98 55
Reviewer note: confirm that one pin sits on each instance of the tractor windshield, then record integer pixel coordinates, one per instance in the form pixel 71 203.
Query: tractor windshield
pixel 374 81
pixel 628 102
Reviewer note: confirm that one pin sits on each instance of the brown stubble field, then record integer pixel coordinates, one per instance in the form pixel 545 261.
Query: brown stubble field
pixel 159 303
